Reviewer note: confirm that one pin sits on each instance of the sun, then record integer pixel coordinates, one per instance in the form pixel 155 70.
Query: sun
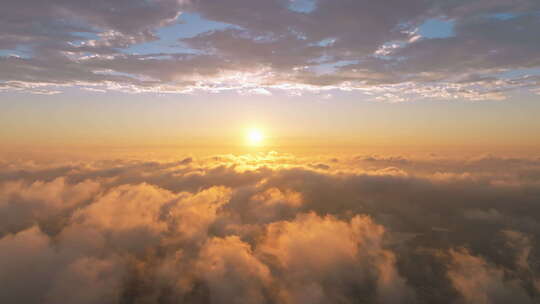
pixel 255 137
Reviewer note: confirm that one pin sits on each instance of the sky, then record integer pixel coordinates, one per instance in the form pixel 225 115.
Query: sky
pixel 462 74
pixel 270 151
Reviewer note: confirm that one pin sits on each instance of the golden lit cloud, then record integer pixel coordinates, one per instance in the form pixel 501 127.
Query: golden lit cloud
pixel 271 228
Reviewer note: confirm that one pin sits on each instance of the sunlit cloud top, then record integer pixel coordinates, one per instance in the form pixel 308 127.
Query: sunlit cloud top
pixel 388 50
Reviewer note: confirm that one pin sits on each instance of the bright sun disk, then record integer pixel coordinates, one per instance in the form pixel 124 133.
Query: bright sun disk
pixel 255 137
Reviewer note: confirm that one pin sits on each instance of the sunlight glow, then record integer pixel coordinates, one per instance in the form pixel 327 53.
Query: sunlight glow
pixel 255 137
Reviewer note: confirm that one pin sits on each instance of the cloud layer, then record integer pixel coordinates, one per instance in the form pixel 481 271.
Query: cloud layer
pixel 271 228
pixel 378 49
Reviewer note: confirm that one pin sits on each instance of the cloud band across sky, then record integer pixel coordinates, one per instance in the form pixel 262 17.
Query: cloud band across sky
pixel 390 50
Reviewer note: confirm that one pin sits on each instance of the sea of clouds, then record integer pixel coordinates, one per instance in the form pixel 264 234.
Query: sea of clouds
pixel 271 228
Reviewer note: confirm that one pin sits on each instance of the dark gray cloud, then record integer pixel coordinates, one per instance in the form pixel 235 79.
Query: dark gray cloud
pixel 275 229
pixel 368 46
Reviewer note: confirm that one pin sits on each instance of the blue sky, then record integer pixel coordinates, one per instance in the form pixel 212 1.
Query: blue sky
pixel 436 28
pixel 187 25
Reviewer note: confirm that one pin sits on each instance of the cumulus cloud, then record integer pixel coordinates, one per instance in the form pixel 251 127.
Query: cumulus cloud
pixel 24 204
pixel 271 228
pixel 352 253
pixel 35 271
pixel 261 46
pixel 479 282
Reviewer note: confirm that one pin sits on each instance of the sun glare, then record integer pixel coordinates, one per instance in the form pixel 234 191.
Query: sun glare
pixel 255 137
